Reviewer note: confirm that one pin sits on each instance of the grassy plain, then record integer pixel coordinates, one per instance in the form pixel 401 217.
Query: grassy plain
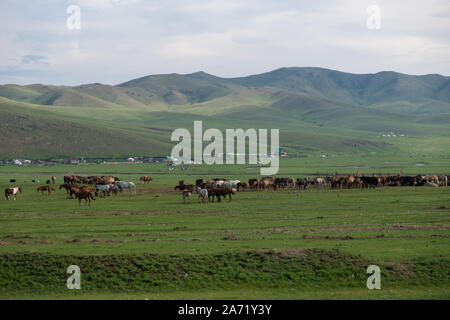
pixel 285 245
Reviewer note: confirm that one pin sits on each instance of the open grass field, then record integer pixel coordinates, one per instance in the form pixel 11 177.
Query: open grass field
pixel 285 244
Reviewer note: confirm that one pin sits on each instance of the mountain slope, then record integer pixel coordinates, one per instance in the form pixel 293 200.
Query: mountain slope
pixel 316 110
pixel 359 89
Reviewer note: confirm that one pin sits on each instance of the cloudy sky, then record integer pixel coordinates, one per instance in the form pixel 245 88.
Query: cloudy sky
pixel 119 40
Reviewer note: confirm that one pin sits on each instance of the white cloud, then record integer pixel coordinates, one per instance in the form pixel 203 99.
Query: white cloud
pixel 122 39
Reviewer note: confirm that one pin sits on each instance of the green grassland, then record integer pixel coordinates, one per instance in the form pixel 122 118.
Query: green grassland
pixel 286 244
pixel 316 110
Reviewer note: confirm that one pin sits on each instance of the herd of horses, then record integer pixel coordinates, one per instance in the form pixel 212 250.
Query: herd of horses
pixel 218 188
pixel 99 185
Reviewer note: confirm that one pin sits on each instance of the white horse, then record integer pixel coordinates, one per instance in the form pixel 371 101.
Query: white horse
pixel 186 195
pixel 202 193
pixel 126 185
pixel 103 189
pixel 231 183
pixel 12 192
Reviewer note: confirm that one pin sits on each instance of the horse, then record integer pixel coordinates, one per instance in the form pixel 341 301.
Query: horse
pixel 242 185
pixel 186 194
pixel 12 192
pixel 83 194
pixel 45 188
pixel 145 179
pixel 202 193
pixel 53 179
pixel 103 189
pixel 73 190
pixel 126 185
pixel 67 186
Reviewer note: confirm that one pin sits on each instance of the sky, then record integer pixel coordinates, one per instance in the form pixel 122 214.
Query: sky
pixel 119 40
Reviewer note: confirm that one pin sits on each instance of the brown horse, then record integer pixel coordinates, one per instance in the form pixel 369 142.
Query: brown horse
pixel 67 186
pixel 145 179
pixel 73 190
pixel 53 179
pixel 84 194
pixel 12 192
pixel 45 188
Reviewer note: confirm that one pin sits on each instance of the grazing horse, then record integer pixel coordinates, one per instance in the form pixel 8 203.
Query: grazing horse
pixel 145 179
pixel 45 188
pixel 12 192
pixel 219 192
pixel 67 186
pixel 126 185
pixel 105 190
pixel 53 179
pixel 73 190
pixel 83 194
pixel 253 184
pixel 202 193
pixel 242 185
pixel 186 194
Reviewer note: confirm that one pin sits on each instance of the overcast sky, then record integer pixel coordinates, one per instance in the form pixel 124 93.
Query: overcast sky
pixel 124 39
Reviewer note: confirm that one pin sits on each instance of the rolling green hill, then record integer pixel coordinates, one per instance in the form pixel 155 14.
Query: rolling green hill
pixel 317 111
pixel 383 88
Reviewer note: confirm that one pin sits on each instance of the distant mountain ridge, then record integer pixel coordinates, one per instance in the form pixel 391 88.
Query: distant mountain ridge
pixel 316 110
pixel 386 90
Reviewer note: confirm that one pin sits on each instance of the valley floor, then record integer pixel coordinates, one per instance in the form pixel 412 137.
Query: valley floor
pixel 314 244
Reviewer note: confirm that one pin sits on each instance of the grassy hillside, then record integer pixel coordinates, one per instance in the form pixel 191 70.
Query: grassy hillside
pixel 316 110
pixel 359 89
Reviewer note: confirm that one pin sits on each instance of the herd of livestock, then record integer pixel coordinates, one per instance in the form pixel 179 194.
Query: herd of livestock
pixel 103 186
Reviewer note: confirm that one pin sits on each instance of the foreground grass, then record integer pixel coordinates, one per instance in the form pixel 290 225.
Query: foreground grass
pixel 315 244
pixel 411 293
pixel 300 271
